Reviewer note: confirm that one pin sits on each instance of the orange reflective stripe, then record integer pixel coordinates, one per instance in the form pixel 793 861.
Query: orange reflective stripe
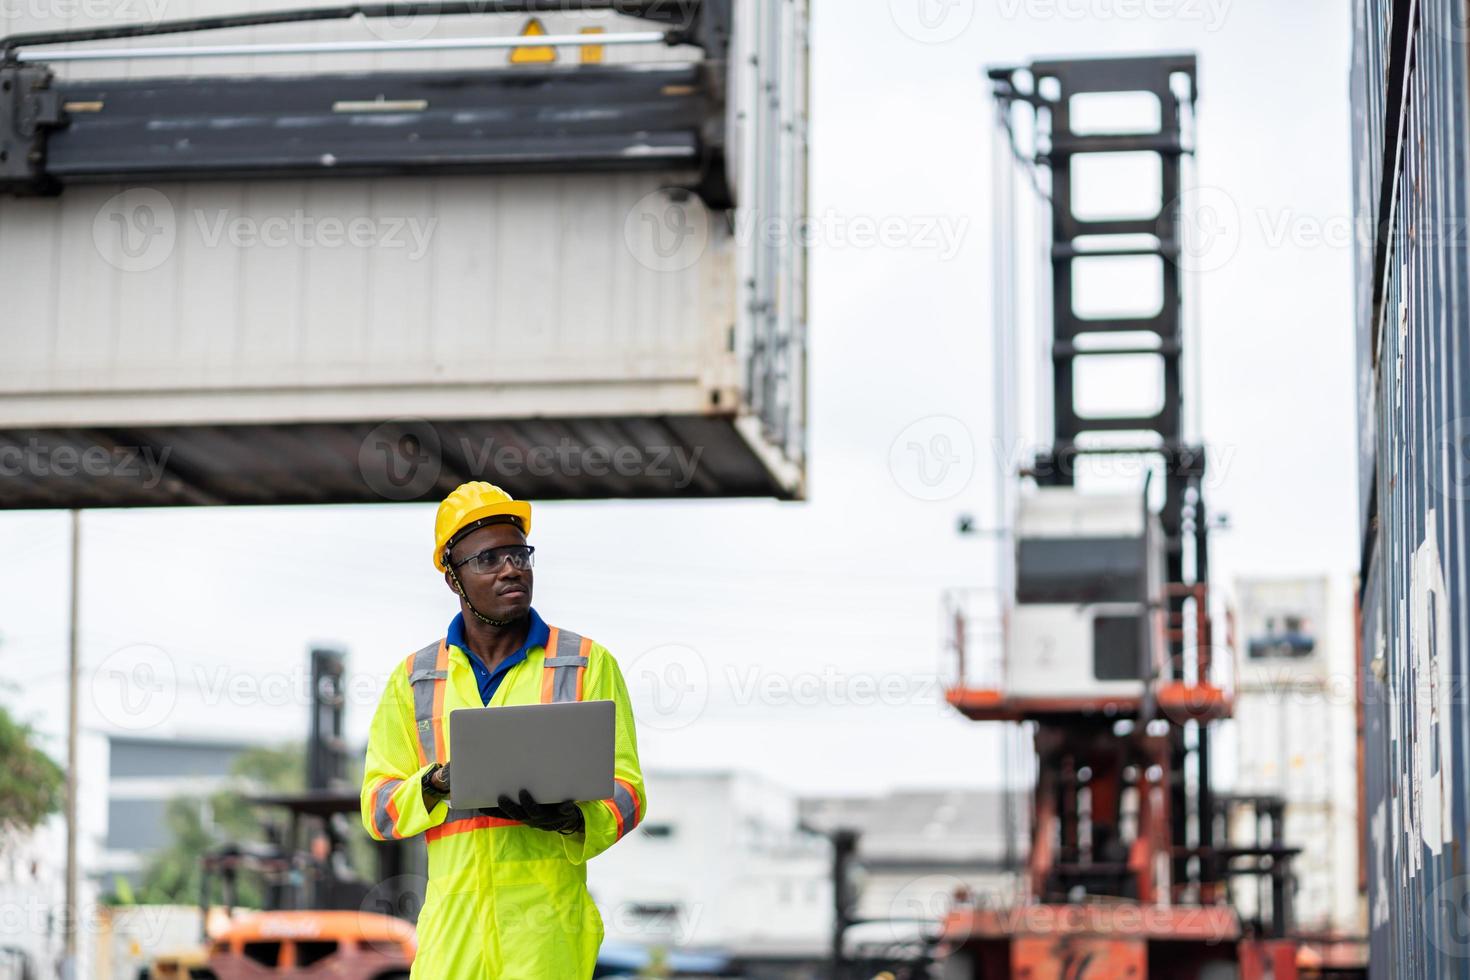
pixel 548 675
pixel 585 650
pixel 463 826
pixel 441 684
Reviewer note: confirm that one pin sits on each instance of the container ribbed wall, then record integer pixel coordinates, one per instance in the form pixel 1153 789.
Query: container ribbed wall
pixel 612 305
pixel 1409 93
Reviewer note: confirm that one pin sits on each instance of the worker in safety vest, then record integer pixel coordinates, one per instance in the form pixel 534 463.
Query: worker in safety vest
pixel 507 893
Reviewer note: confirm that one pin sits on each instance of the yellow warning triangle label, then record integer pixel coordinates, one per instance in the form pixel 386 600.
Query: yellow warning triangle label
pixel 533 55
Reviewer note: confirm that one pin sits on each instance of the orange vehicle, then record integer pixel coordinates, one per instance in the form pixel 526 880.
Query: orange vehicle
pixel 314 923
pixel 277 945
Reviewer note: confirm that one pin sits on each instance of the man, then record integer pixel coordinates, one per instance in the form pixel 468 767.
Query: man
pixel 507 895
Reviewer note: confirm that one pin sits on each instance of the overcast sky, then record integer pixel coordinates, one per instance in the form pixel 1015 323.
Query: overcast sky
pixel 806 635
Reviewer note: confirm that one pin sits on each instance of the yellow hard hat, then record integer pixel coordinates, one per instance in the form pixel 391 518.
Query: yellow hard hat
pixel 470 503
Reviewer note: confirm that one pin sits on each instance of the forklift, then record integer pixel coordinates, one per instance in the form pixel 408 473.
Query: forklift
pixel 321 915
pixel 1108 647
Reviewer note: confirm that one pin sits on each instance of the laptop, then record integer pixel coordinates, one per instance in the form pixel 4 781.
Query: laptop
pixel 558 752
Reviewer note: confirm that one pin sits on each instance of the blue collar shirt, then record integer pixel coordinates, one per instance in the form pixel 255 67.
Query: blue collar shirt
pixel 489 680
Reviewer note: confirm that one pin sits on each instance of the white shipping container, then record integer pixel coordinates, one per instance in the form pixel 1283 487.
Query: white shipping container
pixel 1287 741
pixel 130 937
pixel 565 334
pixel 1292 736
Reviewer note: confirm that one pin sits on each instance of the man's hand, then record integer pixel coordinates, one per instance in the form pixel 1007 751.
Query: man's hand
pixel 561 818
pixel 436 782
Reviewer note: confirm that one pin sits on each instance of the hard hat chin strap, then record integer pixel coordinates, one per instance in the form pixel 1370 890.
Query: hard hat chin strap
pixel 478 615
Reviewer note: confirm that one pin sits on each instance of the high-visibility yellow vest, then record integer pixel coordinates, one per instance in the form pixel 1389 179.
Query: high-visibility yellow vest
pixel 503 900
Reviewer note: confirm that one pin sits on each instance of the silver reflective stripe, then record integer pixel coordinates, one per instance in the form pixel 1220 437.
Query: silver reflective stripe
pixel 567 663
pixel 422 676
pixel 628 807
pixel 568 646
pixel 564 685
pixel 382 819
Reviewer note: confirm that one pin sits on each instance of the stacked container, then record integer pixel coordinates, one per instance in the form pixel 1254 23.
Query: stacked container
pixel 567 316
pixel 1409 84
pixel 1293 734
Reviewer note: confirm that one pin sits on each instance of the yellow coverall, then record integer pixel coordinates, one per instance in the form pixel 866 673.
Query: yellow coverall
pixel 504 901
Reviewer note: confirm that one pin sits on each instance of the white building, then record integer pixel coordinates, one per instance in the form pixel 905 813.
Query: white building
pixel 731 863
pixel 33 880
pixel 917 849
pixel 145 773
pixel 719 865
pixel 32 892
pixel 1294 735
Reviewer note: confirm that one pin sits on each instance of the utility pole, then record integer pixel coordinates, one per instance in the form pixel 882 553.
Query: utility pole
pixel 73 753
pixel 844 898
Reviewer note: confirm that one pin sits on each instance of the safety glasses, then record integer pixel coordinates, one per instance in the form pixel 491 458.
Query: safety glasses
pixel 491 560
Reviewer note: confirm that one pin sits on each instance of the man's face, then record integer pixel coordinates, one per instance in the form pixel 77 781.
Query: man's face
pixel 504 593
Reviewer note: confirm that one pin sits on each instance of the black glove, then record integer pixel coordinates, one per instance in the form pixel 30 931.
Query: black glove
pixel 436 784
pixel 561 818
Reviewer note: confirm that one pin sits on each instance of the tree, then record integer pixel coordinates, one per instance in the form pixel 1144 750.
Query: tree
pixel 197 824
pixel 31 784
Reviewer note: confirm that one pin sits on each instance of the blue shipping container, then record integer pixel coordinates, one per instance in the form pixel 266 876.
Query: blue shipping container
pixel 1409 93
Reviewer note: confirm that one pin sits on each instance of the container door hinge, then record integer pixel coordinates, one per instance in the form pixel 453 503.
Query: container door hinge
pixel 29 109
